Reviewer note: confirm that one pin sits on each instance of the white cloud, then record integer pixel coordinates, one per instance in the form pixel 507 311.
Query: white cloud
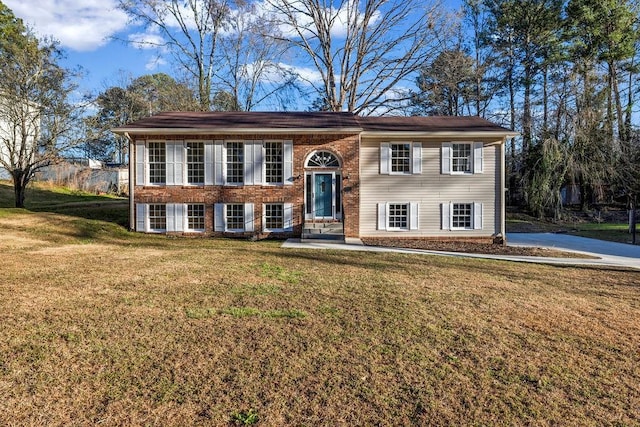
pixel 155 63
pixel 81 25
pixel 146 40
pixel 341 17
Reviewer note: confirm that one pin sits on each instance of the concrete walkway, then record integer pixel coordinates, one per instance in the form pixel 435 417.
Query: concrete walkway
pixel 607 253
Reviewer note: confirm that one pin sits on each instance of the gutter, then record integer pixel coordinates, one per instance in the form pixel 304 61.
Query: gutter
pixel 131 182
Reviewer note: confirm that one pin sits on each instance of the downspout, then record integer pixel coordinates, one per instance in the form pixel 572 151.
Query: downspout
pixel 503 193
pixel 131 183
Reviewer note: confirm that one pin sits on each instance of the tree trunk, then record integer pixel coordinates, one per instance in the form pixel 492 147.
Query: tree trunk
pixel 20 182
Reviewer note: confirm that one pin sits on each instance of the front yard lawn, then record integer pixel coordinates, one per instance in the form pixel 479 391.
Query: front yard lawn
pixel 102 326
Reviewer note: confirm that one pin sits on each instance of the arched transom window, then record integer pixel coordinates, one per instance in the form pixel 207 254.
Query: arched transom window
pixel 323 159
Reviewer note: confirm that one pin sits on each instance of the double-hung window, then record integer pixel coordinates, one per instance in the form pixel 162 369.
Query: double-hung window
pixel 462 158
pixel 157 218
pixel 157 162
pixel 462 216
pixel 235 162
pixel 273 216
pixel 273 162
pixel 398 216
pixel 233 217
pixel 195 217
pixel 195 163
pixel 400 158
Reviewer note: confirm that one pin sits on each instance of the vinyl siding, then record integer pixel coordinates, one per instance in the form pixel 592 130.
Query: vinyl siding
pixel 430 189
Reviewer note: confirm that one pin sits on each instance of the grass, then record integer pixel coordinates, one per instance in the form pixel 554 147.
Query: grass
pixel 610 231
pixel 102 326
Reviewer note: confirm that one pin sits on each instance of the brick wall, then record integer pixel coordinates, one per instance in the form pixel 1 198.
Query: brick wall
pixel 346 147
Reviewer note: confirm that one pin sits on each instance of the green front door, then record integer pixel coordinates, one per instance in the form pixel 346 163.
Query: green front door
pixel 323 189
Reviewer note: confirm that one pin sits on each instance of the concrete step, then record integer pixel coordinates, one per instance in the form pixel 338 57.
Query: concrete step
pixel 334 237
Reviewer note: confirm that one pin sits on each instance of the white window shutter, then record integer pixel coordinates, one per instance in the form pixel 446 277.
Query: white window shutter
pixel 140 163
pixel 179 158
pixel 446 216
pixel 249 164
pixel 175 159
pixel 417 158
pixel 248 217
pixel 446 157
pixel 413 216
pixel 208 163
pixel 175 217
pixel 382 216
pixel 170 162
pixel 141 217
pixel 219 217
pixel 288 216
pixel 219 162
pixel 477 216
pixel 258 162
pixel 385 158
pixel 478 157
pixel 287 167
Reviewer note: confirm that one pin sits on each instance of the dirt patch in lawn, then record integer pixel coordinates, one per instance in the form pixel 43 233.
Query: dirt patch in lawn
pixel 473 247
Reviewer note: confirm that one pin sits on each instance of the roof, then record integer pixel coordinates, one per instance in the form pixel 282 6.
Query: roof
pixel 310 122
pixel 220 122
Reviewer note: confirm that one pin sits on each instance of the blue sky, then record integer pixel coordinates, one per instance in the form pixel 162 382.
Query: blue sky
pixel 93 34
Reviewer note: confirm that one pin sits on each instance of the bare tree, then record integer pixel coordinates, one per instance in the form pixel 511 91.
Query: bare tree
pixel 191 33
pixel 363 50
pixel 38 121
pixel 253 72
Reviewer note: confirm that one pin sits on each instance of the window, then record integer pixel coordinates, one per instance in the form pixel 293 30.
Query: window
pixel 157 217
pixel 235 163
pixel 195 217
pixel 235 217
pixel 323 159
pixel 273 216
pixel 157 163
pixel 461 216
pixel 273 162
pixel 398 216
pixel 461 158
pixel 401 158
pixel 195 163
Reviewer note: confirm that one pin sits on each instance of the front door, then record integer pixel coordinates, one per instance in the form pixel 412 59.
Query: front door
pixel 323 189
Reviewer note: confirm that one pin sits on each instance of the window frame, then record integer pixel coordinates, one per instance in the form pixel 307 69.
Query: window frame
pixel 266 217
pixel 407 216
pixel 189 216
pixel 189 163
pixel 241 217
pixel 469 157
pixel 267 163
pixel 470 215
pixel 408 160
pixel 151 207
pixel 152 165
pixel 238 162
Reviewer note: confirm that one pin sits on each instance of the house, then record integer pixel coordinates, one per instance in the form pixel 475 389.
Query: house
pixel 317 174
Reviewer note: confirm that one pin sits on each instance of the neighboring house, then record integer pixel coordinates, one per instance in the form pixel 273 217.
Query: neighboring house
pixel 315 174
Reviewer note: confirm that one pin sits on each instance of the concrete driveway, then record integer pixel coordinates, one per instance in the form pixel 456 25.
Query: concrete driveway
pixel 610 253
